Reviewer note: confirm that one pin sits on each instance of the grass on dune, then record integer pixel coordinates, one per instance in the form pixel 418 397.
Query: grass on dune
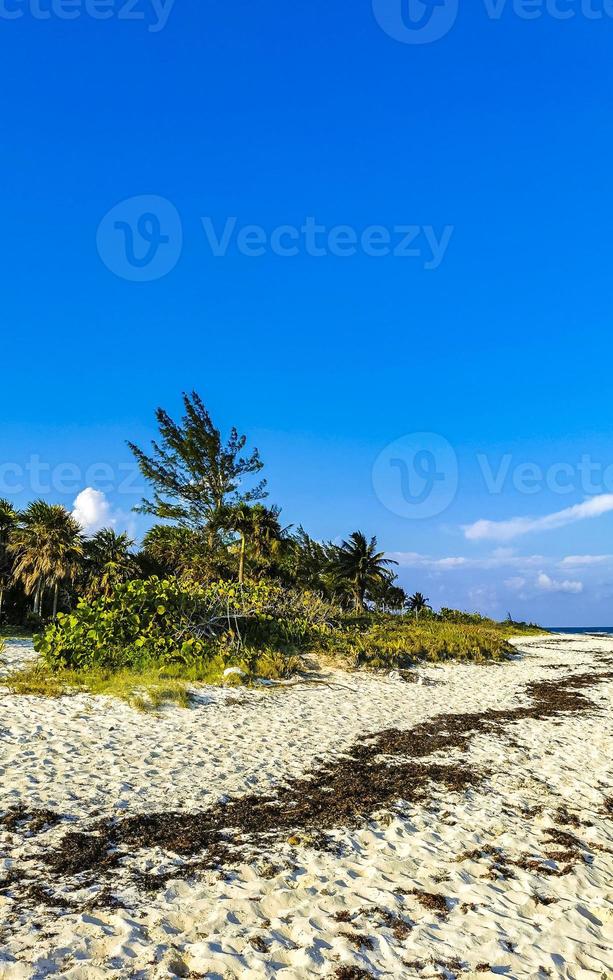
pixel 146 690
pixel 393 641
pixel 368 643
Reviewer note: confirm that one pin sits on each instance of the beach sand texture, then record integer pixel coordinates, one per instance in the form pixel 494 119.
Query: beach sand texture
pixel 458 827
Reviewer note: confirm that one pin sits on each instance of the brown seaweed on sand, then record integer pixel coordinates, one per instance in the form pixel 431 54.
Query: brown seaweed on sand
pixel 377 773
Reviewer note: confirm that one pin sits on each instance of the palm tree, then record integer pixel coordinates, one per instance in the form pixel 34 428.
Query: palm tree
pixel 48 547
pixel 308 561
pixel 358 564
pixel 257 526
pixel 167 547
pixel 266 532
pixel 237 518
pixel 108 561
pixel 417 603
pixel 8 520
pixel 387 596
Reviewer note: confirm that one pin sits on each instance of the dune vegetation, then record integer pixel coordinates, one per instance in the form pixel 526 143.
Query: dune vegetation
pixel 219 589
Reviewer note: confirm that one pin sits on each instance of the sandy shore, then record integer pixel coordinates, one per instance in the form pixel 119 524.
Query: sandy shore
pixel 499 861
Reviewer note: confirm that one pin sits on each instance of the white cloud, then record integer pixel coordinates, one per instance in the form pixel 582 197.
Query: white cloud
pixel 93 511
pixel 576 561
pixel 484 597
pixel 449 562
pixel 547 584
pixel 500 558
pixel 543 583
pixel 503 553
pixel 514 527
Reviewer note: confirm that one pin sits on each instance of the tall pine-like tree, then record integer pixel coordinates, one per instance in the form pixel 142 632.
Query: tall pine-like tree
pixel 193 472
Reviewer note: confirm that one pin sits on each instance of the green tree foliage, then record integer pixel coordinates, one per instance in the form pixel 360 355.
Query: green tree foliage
pixel 260 535
pixel 168 549
pixel 357 566
pixel 8 521
pixel 307 562
pixel 195 556
pixel 47 547
pixel 108 562
pixel 386 596
pixel 418 603
pixel 192 471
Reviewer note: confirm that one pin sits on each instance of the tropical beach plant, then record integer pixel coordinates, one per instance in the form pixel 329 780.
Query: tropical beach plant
pixel 358 566
pixel 158 622
pixel 193 472
pixel 8 521
pixel 108 562
pixel 259 530
pixel 386 596
pixel 47 548
pixel 418 603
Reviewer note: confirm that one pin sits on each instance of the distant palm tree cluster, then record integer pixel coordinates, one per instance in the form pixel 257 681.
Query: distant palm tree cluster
pixel 45 558
pixel 210 524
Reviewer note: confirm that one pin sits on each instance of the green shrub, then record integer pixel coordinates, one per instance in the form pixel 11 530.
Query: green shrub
pixel 263 628
pixel 155 622
pixel 465 618
pixel 398 641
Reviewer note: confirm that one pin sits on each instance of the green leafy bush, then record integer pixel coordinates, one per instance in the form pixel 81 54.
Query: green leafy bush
pixel 464 618
pixel 156 622
pixel 173 625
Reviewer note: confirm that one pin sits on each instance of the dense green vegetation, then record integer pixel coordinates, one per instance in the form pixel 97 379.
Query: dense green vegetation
pixel 217 583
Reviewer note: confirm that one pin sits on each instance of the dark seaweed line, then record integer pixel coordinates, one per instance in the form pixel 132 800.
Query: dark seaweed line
pixel 378 772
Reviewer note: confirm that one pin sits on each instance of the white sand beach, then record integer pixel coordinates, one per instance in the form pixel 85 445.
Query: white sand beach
pixel 520 856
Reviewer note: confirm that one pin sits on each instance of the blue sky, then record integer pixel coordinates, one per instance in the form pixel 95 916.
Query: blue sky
pixel 497 135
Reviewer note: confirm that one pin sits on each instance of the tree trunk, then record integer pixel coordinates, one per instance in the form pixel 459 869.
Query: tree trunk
pixel 241 561
pixel 56 592
pixel 37 598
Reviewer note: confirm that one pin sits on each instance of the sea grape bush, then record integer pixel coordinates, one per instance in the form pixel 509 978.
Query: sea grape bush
pixel 168 621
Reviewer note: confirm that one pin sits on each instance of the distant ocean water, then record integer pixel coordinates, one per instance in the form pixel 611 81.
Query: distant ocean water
pixel 580 629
